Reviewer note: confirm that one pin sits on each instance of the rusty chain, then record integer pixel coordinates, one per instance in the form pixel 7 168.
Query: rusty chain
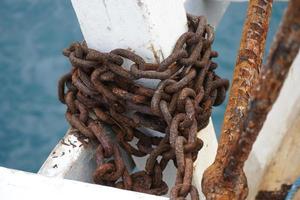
pixel 102 92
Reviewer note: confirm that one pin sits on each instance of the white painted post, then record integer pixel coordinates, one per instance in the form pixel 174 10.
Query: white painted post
pixel 113 24
pixel 150 28
pixel 71 159
pixel 143 26
pixel 275 131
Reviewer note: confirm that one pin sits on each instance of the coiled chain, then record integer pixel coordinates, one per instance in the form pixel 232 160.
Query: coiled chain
pixel 102 92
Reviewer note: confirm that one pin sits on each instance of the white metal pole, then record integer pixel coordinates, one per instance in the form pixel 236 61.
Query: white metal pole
pixel 148 27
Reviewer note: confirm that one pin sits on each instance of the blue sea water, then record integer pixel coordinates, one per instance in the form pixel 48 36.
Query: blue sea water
pixel 32 35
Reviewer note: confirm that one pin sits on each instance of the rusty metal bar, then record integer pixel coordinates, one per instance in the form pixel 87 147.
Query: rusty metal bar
pixel 249 60
pixel 266 90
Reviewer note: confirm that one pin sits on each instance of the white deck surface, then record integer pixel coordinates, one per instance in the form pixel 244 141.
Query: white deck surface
pixel 18 185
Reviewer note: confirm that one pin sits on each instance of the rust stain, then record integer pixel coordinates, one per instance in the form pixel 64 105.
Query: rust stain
pixel 64 143
pixel 71 143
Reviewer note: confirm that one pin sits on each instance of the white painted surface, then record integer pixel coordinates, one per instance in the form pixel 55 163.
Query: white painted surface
pixel 16 185
pixel 142 25
pixel 278 119
pixel 71 159
pixel 275 128
pixel 206 155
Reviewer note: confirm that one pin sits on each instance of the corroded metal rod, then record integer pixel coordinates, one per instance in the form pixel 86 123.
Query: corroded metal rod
pixel 267 88
pixel 249 60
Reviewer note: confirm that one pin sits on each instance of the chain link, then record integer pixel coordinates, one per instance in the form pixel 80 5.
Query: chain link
pixel 101 92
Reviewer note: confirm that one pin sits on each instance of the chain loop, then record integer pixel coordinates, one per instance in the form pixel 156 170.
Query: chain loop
pixel 102 92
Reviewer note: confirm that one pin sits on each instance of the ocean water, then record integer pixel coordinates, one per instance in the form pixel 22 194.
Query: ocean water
pixel 33 34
